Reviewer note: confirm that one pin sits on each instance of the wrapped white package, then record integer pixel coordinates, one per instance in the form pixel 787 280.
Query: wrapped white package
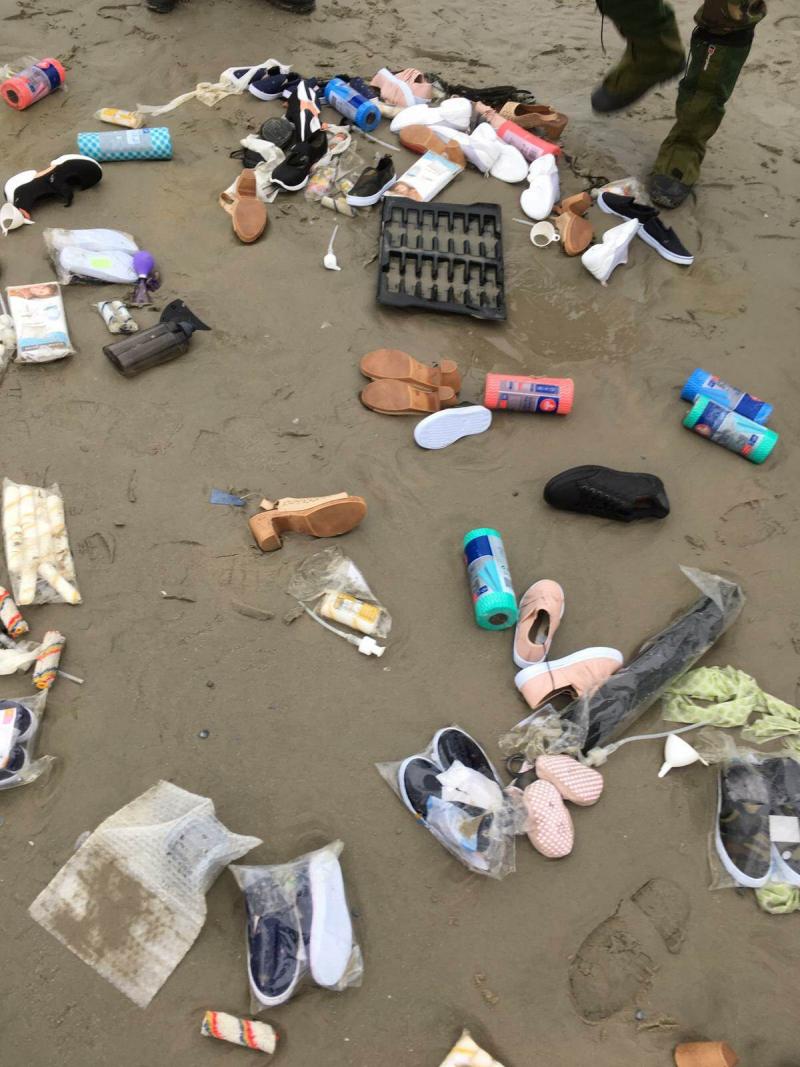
pixel 131 901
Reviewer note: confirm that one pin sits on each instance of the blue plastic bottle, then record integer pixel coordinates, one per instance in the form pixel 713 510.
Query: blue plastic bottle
pixel 701 383
pixel 364 113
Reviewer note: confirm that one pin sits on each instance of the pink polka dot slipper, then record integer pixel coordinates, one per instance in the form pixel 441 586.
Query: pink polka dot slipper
pixel 549 824
pixel 576 783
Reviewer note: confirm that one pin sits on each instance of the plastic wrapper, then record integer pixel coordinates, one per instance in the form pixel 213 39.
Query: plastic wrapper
pixel 38 555
pixel 754 840
pixel 625 187
pixel 600 717
pixel 131 901
pixel 299 930
pixel 93 256
pixel 319 578
pixel 20 719
pixel 40 322
pixel 472 818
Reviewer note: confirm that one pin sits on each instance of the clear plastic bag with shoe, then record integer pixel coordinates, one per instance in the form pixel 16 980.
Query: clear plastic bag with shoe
pixel 466 809
pixel 20 720
pixel 588 727
pixel 299 928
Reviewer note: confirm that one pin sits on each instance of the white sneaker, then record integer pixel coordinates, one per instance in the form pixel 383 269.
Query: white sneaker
pixel 483 147
pixel 544 190
pixel 444 427
pixel 455 112
pixel 511 165
pixel 601 259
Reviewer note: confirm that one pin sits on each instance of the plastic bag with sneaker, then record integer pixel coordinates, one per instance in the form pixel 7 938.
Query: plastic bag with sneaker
pixel 299 929
pixel 20 719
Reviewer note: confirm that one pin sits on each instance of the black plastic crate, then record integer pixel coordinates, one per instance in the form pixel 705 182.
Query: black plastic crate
pixel 443 257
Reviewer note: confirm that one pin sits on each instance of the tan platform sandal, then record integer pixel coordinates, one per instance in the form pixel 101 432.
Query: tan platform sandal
pixel 400 398
pixel 536 117
pixel 393 364
pixel 317 516
pixel 249 214
pixel 578 204
pixel 576 232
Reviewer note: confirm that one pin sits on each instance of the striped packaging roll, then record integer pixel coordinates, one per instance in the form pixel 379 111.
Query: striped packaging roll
pixel 44 670
pixel 245 1032
pixel 10 617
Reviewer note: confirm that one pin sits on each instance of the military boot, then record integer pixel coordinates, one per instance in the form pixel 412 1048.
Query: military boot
pixel 715 63
pixel 654 52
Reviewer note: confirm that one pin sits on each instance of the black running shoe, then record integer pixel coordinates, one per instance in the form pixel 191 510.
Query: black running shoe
pixel 608 493
pixel 783 781
pixel 297 7
pixel 372 184
pixel 163 7
pixel 274 946
pixel 742 837
pixel 451 744
pixel 652 231
pixel 293 174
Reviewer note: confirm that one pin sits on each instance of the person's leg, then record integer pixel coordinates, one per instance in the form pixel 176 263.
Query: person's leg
pixel 654 52
pixel 719 47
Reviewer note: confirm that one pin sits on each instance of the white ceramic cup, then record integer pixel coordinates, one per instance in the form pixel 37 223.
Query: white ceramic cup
pixel 544 233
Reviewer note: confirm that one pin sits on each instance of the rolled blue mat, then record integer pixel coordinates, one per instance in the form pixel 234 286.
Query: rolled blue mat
pixel 119 146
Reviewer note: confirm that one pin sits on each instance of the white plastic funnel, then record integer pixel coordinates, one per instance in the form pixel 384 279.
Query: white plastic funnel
pixel 679 753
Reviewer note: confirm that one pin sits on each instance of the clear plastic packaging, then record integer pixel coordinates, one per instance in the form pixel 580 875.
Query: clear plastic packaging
pixel 466 810
pixel 329 586
pixel 625 187
pixel 131 900
pixel 20 719
pixel 755 834
pixel 600 717
pixel 299 930
pixel 40 322
pixel 95 255
pixel 38 555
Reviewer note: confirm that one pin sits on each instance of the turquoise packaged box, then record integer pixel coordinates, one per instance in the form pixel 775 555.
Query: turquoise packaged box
pixel 119 146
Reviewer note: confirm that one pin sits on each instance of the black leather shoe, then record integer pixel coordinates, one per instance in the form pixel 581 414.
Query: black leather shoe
pixel 608 493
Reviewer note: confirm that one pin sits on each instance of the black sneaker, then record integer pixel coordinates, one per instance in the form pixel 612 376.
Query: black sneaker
pixel 25 722
pixel 451 744
pixel 293 174
pixel 652 231
pixel 303 109
pixel 279 131
pixel 783 781
pixel 608 493
pixel 742 837
pixel 10 773
pixel 274 945
pixel 372 184
pixel 61 179
pixel 416 779
pixel 298 7
pixel 249 158
pixel 163 7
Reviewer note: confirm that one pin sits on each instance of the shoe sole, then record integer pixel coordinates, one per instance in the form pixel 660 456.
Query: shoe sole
pixel 368 201
pixel 567 661
pixel 446 729
pixel 331 941
pixel 682 261
pixel 443 428
pixel 523 663
pixel 727 862
pixel 290 188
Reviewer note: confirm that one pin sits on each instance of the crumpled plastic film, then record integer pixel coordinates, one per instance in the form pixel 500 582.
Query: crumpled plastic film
pixel 131 901
pixel 778 899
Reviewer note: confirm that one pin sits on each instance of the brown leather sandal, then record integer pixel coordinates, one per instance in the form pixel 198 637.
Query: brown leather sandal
pixel 536 117
pixel 578 204
pixel 399 366
pixel 422 139
pixel 400 398
pixel 248 212
pixel 318 516
pixel 576 232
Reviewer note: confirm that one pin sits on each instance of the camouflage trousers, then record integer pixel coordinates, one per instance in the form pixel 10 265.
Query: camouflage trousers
pixel 643 18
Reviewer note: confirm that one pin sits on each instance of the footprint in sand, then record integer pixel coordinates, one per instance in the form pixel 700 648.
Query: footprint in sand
pixel 619 958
